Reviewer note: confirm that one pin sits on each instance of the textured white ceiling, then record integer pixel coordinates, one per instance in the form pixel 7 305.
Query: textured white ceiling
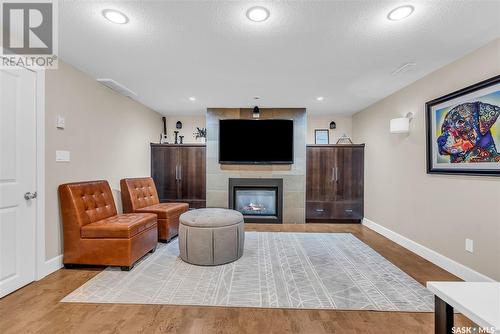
pixel 344 51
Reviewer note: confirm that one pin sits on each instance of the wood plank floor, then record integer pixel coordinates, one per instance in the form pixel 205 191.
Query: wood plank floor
pixel 36 308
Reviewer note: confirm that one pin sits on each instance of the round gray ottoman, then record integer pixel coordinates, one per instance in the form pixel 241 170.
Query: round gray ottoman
pixel 209 237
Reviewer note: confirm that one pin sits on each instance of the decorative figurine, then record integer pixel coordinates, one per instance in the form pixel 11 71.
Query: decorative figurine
pixel 178 125
pixel 176 133
pixel 180 139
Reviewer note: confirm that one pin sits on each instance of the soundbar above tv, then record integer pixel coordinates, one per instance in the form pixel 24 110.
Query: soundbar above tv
pixel 252 142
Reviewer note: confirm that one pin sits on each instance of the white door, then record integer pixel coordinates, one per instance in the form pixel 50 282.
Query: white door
pixel 17 178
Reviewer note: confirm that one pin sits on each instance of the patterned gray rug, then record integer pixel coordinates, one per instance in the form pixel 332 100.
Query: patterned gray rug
pixel 277 270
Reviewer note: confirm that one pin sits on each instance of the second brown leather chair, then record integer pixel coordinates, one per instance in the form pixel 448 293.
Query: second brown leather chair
pixel 139 195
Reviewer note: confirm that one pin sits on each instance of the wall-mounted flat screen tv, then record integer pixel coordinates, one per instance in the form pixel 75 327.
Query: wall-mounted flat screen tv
pixel 248 142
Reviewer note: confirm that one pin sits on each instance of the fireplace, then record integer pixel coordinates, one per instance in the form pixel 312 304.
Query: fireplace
pixel 259 200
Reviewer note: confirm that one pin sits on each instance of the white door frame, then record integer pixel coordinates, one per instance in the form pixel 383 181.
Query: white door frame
pixel 40 267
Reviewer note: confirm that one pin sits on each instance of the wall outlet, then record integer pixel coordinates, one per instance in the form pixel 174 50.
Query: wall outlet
pixel 469 245
pixel 62 156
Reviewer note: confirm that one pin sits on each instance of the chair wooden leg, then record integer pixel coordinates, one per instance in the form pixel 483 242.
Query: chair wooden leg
pixel 127 268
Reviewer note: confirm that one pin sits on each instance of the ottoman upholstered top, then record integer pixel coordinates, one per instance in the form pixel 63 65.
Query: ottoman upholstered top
pixel 211 217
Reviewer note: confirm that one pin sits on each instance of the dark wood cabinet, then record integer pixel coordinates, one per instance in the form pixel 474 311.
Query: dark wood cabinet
pixel 334 183
pixel 179 173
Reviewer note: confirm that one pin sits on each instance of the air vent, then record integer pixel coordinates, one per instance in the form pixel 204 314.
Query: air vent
pixel 110 83
pixel 404 68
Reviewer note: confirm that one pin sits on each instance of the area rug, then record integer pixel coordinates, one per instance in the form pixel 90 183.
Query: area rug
pixel 277 270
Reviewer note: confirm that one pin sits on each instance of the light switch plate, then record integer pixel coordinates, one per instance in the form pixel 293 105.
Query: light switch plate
pixel 62 156
pixel 61 122
pixel 469 245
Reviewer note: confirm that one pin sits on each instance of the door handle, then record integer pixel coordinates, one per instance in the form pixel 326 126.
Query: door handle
pixel 336 174
pixel 333 174
pixel 176 172
pixel 180 172
pixel 29 195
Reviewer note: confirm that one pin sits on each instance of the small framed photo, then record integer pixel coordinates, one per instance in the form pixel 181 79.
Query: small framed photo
pixel 321 137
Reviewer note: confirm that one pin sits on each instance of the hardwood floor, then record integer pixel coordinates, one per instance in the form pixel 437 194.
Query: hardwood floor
pixel 36 308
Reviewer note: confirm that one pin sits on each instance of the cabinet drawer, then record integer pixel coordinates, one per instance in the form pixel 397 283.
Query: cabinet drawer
pixel 318 210
pixel 334 210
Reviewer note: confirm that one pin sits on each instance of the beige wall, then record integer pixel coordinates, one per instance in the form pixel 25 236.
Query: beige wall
pixel 189 124
pixel 437 211
pixel 344 125
pixel 107 134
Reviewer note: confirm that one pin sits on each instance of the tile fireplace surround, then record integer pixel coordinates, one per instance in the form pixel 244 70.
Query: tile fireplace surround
pixel 294 176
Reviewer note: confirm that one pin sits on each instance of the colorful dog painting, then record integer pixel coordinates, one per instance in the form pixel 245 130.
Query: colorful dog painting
pixel 463 131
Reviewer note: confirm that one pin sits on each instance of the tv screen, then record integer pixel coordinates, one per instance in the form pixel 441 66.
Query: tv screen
pixel 265 141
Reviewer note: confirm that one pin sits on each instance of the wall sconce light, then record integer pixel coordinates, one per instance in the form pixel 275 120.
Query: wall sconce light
pixel 402 124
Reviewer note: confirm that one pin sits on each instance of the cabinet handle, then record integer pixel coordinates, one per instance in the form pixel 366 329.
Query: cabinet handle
pixel 320 210
pixel 333 174
pixel 180 172
pixel 348 210
pixel 176 172
pixel 336 174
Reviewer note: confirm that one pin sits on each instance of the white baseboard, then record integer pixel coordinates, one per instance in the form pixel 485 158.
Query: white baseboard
pixel 457 269
pixel 50 266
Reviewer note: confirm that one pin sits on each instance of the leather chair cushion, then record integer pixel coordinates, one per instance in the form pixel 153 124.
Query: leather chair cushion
pixel 122 226
pixel 165 210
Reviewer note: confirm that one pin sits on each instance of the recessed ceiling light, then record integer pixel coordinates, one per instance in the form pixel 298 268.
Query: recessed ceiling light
pixel 115 16
pixel 192 98
pixel 400 13
pixel 320 98
pixel 258 14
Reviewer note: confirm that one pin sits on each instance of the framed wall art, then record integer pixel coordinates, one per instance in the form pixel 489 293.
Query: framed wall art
pixel 463 131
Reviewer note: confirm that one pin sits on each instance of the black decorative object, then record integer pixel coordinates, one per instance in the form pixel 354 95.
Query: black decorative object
pixel 256 112
pixel 163 136
pixel 333 125
pixel 180 139
pixel 176 133
pixel 462 131
pixel 178 125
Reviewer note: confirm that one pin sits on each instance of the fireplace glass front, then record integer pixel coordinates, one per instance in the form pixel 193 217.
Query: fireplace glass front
pixel 256 202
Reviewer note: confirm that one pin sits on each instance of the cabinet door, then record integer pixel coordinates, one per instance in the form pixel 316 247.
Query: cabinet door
pixel 348 183
pixel 320 185
pixel 192 173
pixel 164 162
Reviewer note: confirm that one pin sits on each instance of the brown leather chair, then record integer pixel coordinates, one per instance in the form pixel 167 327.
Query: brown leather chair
pixel 93 232
pixel 139 195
